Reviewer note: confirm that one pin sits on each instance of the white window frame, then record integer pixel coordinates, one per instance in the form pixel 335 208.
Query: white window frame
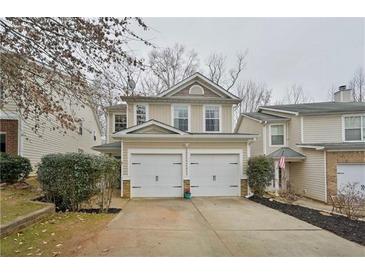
pixel 119 113
pixel 173 112
pixel 362 117
pixel 277 124
pixel 220 118
pixel 135 111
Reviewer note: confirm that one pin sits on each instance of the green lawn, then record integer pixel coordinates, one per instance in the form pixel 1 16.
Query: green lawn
pixel 16 202
pixel 61 234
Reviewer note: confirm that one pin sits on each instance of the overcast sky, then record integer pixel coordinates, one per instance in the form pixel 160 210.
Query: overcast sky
pixel 315 53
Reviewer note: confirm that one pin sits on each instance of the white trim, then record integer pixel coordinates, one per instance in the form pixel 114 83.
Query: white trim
pixel 279 110
pixel 20 137
pixel 220 118
pixel 107 127
pixel 187 136
pixel 248 150
pixel 301 129
pixel 284 139
pixel 201 77
pixel 124 132
pixel 135 112
pixel 9 115
pixel 199 86
pixel 264 140
pixel 121 168
pixel 113 120
pixel 325 175
pixel 189 114
pixel 254 119
pixel 362 137
pixel 311 146
pixel 160 152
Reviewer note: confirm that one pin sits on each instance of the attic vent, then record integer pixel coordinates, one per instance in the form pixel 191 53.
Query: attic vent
pixel 196 90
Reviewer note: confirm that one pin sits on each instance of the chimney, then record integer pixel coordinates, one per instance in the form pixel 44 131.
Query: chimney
pixel 343 94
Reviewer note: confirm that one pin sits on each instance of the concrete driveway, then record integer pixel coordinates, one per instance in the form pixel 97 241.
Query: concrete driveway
pixel 212 227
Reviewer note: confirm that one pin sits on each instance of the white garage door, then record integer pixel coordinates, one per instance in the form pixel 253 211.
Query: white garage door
pixel 215 175
pixel 351 173
pixel 155 175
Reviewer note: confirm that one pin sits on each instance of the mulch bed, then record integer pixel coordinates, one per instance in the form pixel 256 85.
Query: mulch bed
pixel 340 225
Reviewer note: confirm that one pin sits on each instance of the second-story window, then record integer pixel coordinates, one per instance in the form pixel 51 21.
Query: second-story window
pixel 277 135
pixel 181 117
pixel 120 122
pixel 212 118
pixel 355 128
pixel 141 114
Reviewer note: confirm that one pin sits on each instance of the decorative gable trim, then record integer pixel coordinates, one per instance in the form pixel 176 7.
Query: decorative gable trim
pixel 176 88
pixel 147 124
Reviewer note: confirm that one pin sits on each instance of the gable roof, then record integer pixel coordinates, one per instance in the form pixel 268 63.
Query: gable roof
pixel 263 117
pixel 148 124
pixel 317 108
pixel 201 77
pixel 286 152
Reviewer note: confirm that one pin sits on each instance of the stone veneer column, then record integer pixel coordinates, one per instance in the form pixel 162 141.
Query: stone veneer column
pixel 186 186
pixel 127 189
pixel 244 187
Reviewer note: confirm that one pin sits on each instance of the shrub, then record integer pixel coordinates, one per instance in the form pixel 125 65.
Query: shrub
pixel 70 179
pixel 260 173
pixel 352 200
pixel 14 168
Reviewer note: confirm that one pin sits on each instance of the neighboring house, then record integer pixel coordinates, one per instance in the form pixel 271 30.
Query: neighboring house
pixel 18 137
pixel 181 140
pixel 323 144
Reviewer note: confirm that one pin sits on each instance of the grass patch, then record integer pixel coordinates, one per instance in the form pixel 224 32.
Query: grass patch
pixel 16 202
pixel 61 234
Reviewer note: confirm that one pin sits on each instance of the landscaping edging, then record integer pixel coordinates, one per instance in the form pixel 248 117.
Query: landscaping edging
pixel 340 225
pixel 28 219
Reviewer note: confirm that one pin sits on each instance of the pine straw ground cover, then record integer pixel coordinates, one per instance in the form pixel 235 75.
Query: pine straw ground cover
pixel 61 234
pixel 342 226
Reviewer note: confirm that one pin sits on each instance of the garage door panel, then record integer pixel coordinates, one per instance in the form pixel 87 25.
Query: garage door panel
pixel 215 174
pixel 351 173
pixel 156 175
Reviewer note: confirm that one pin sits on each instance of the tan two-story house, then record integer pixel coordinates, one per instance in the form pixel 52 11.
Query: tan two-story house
pixel 323 144
pixel 179 141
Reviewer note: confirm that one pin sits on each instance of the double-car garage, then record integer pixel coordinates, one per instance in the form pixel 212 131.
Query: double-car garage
pixel 163 174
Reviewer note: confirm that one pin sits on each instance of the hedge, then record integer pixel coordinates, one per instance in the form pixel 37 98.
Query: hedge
pixel 14 168
pixel 260 173
pixel 70 179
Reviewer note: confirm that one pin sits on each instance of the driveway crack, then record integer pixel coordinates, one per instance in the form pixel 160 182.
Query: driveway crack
pixel 212 228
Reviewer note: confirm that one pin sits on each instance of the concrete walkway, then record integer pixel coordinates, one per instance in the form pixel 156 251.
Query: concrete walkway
pixel 212 227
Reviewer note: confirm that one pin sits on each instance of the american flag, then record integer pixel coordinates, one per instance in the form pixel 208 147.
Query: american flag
pixel 282 162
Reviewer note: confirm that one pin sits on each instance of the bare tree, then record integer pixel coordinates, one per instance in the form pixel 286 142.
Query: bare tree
pixel 45 61
pixel 357 84
pixel 168 66
pixel 295 95
pixel 218 73
pixel 331 93
pixel 253 95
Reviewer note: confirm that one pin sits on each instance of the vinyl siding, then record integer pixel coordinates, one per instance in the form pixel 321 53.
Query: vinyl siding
pixel 181 145
pixel 308 177
pixel 162 113
pixel 322 129
pixel 293 132
pixel 196 118
pixel 253 127
pixel 35 147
